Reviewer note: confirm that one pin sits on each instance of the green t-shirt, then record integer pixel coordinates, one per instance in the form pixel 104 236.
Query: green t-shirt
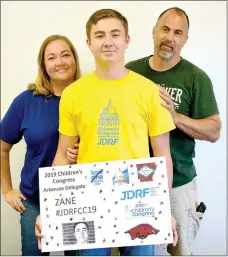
pixel 192 93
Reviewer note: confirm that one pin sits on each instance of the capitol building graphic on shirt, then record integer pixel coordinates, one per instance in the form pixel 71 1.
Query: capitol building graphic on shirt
pixel 108 126
pixel 109 116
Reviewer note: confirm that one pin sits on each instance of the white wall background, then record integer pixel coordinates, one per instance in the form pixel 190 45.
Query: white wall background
pixel 24 26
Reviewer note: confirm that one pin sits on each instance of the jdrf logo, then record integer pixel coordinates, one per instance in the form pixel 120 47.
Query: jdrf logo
pixel 131 194
pixel 104 141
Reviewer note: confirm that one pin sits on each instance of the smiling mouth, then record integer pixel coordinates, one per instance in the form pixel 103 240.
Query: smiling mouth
pixel 61 70
pixel 166 47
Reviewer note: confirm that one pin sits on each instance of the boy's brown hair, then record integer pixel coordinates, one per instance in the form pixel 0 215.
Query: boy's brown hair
pixel 104 14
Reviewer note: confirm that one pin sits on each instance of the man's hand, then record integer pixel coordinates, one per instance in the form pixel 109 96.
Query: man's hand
pixel 175 235
pixel 13 198
pixel 169 105
pixel 72 154
pixel 38 231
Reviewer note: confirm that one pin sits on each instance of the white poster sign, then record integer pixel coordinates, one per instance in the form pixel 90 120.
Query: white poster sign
pixel 105 204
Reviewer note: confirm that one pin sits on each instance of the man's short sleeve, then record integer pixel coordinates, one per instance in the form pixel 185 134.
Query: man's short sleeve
pixel 11 131
pixel 160 121
pixel 204 102
pixel 67 115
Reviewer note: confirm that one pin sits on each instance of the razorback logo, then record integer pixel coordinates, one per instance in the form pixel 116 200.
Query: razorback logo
pixel 142 231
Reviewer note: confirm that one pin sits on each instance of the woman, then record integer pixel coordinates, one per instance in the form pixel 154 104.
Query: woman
pixel 34 115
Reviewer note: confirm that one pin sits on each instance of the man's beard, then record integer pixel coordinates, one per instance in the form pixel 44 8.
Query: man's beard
pixel 165 54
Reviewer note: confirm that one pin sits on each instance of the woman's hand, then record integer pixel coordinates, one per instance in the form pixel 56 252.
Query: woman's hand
pixel 13 198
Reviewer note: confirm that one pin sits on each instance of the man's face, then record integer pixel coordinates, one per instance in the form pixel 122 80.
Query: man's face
pixel 108 41
pixel 170 34
pixel 81 233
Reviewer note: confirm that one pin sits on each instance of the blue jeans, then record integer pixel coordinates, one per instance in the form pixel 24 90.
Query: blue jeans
pixel 142 250
pixel 28 239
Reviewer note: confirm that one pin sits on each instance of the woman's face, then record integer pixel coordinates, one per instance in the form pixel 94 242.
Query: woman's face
pixel 59 61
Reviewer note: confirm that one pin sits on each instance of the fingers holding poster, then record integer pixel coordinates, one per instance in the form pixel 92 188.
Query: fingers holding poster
pixel 97 205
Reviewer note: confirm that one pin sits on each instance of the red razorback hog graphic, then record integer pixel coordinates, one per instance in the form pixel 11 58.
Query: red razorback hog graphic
pixel 142 231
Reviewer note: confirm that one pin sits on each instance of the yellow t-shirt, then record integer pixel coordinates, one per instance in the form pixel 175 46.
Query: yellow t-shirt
pixel 113 118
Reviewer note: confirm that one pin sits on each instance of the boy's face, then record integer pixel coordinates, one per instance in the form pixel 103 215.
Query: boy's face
pixel 108 41
pixel 81 233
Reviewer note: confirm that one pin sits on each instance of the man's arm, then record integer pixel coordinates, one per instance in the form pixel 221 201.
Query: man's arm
pixel 203 129
pixel 160 146
pixel 61 154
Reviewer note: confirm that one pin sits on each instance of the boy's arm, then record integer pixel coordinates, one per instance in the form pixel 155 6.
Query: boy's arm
pixel 61 154
pixel 160 146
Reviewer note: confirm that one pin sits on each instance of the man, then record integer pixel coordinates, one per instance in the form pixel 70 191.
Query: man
pixel 113 110
pixel 189 97
pixel 81 232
